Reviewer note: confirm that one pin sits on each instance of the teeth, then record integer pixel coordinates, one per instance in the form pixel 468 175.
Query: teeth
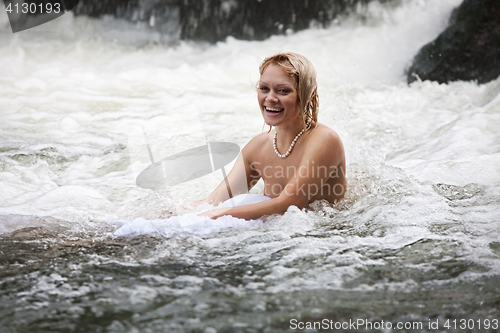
pixel 273 109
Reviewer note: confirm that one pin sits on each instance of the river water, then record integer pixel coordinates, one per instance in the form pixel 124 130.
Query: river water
pixel 415 243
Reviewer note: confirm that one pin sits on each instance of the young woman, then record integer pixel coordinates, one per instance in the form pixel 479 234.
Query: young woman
pixel 299 159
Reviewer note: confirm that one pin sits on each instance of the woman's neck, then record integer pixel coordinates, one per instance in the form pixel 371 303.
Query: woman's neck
pixel 286 134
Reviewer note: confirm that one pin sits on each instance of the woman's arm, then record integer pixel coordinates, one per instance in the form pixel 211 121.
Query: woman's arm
pixel 240 179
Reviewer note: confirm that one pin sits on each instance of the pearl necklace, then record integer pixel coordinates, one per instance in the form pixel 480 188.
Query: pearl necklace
pixel 291 146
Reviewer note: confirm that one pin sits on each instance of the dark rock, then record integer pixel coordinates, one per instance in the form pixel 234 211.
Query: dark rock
pixel 160 15
pixel 135 10
pixel 214 20
pixel 469 48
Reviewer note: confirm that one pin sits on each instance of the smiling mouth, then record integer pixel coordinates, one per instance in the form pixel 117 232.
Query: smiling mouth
pixel 273 110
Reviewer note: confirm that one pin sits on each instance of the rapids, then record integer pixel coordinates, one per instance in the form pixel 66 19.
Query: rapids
pixel 416 240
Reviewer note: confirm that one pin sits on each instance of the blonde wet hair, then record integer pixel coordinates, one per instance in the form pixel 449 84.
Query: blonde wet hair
pixel 302 69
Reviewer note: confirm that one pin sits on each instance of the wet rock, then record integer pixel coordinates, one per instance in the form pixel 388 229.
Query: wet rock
pixel 469 48
pixel 214 20
pixel 133 10
pixel 118 8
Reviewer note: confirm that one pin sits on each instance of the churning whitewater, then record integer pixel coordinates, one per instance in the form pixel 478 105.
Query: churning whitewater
pixel 82 100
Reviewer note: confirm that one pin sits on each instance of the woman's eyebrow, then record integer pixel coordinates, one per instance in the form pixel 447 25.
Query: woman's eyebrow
pixel 278 85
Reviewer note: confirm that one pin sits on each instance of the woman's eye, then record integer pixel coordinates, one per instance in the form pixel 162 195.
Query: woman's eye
pixel 283 91
pixel 263 88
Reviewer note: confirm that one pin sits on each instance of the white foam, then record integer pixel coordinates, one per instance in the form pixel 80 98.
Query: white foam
pixel 71 100
pixel 191 223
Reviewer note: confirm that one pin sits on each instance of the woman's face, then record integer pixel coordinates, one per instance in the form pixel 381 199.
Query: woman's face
pixel 277 96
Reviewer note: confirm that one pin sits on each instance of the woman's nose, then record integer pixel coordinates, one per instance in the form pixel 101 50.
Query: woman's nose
pixel 272 97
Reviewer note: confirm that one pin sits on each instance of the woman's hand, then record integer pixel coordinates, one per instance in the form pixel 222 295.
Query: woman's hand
pixel 191 205
pixel 198 202
pixel 214 213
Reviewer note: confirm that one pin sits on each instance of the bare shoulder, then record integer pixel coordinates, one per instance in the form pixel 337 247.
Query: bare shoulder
pixel 255 145
pixel 324 135
pixel 256 142
pixel 324 141
pixel 259 139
